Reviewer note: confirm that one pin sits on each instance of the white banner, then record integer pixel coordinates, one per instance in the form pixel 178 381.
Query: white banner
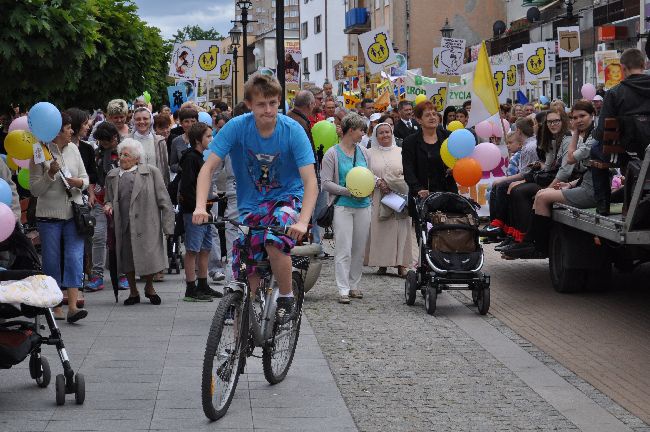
pixel 568 41
pixel 378 49
pixel 194 59
pixel 457 94
pixel 452 57
pixel 223 75
pixel 535 64
pixel 501 82
pixel 436 60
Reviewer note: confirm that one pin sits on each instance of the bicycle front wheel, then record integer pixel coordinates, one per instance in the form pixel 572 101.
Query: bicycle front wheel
pixel 223 355
pixel 277 357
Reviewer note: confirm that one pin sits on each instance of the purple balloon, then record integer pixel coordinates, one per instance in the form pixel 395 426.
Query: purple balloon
pixel 487 155
pixel 588 91
pixel 19 124
pixel 484 129
pixel 7 222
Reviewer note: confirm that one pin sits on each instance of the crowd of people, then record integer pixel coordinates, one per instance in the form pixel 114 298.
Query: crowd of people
pixel 150 177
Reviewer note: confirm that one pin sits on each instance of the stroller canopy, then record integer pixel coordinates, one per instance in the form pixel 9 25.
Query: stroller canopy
pixel 447 202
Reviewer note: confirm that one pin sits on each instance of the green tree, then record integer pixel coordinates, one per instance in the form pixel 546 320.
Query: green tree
pixel 192 33
pixel 43 44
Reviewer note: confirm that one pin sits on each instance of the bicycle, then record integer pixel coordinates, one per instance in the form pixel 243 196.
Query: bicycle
pixel 241 324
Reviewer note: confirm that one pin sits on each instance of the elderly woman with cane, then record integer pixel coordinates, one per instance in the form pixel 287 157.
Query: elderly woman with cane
pixel 137 199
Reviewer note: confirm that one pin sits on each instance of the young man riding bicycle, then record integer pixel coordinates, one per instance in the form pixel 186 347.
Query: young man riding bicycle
pixel 273 163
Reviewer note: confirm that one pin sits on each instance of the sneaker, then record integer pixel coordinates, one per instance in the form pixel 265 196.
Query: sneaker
pixel 491 231
pixel 504 244
pixel 210 292
pixel 95 283
pixel 217 276
pixel 520 250
pixel 344 299
pixel 356 294
pixel 286 310
pixel 194 295
pixel 123 284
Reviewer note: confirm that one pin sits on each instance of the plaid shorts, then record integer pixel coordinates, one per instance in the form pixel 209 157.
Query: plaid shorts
pixel 278 213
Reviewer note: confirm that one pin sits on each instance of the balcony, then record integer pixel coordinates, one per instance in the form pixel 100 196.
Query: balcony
pixel 357 21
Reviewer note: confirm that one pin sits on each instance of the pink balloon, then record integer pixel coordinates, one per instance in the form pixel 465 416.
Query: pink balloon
pixel 487 155
pixel 588 91
pixel 7 222
pixel 22 163
pixel 497 130
pixel 19 124
pixel 484 129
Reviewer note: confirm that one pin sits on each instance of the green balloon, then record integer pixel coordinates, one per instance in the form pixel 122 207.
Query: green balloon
pixel 324 133
pixel 23 178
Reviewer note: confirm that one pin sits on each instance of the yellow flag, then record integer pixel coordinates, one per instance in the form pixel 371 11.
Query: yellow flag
pixel 485 102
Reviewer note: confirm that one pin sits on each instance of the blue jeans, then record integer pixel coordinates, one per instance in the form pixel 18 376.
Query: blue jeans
pixel 52 233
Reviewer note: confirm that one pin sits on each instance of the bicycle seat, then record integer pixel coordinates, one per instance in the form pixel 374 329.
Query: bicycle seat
pixel 309 249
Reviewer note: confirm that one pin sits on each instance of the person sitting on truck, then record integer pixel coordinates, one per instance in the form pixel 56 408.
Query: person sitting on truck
pixel 629 103
pixel 578 193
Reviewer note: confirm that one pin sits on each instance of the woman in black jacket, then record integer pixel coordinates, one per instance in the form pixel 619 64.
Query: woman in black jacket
pixel 424 170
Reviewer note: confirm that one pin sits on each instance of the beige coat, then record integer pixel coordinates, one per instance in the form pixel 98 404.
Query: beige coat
pixel 150 216
pixel 389 244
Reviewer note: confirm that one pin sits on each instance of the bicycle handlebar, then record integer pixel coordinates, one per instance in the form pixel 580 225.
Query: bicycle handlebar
pixel 220 222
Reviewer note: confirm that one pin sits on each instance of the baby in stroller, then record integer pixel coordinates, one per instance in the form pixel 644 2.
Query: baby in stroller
pixel 25 292
pixel 450 254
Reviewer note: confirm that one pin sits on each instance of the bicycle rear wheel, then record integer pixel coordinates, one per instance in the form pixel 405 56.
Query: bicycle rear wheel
pixel 223 354
pixel 277 358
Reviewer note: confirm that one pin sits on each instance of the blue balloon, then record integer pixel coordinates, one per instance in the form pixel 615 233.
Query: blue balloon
pixel 5 193
pixel 44 121
pixel 206 118
pixel 206 154
pixel 461 143
pixel 543 99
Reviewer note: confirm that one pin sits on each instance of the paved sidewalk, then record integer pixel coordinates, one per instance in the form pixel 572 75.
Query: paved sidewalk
pixel 143 372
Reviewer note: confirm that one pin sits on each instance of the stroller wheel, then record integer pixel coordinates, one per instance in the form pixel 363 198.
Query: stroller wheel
pixel 43 374
pixel 410 287
pixel 79 389
pixel 60 389
pixel 484 301
pixel 430 299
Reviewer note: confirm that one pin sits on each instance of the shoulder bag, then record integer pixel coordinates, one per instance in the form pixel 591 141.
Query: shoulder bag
pixel 326 218
pixel 83 219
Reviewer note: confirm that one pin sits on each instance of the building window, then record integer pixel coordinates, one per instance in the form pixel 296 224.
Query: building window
pixel 305 64
pixel 317 24
pixel 303 30
pixel 319 61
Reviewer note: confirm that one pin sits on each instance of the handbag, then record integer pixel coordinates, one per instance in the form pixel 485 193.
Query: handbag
pixel 326 218
pixel 84 221
pixel 543 178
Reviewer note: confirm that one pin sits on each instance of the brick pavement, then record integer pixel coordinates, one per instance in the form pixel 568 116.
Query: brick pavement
pixel 400 369
pixel 603 337
pixel 143 372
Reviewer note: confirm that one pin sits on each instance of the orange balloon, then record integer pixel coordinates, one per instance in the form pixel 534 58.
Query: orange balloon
pixel 467 172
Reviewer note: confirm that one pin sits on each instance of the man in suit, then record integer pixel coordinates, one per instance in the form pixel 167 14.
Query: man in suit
pixel 407 124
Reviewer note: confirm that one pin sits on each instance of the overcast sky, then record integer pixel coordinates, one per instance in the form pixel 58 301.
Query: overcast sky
pixel 171 15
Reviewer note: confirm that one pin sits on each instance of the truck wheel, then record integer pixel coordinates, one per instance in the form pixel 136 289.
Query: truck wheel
pixel 565 280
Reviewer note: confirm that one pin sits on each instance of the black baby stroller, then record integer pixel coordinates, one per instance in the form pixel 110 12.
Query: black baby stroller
pixel 450 255
pixel 22 338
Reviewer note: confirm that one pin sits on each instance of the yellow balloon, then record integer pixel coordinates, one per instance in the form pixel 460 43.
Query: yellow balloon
pixel 360 181
pixel 447 158
pixel 18 144
pixel 455 125
pixel 420 98
pixel 11 164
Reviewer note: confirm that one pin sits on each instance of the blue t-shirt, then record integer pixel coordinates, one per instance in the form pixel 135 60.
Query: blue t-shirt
pixel 345 165
pixel 266 169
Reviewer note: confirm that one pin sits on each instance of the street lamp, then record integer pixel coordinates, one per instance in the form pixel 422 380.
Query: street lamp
pixel 446 30
pixel 245 5
pixel 235 34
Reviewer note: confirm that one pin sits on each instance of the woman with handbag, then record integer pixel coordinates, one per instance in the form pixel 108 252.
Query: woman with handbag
pixel 390 230
pixel 58 183
pixel 577 193
pixel 351 215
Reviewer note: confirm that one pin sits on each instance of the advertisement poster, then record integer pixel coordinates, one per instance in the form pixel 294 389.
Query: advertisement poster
pixel 536 67
pixel 568 40
pixel 292 59
pixel 350 66
pixel 400 68
pixel 223 71
pixel 177 96
pixel 451 59
pixel 194 59
pixel 608 68
pixel 502 84
pixel 378 50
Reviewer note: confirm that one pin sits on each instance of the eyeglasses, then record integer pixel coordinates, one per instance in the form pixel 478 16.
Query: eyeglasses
pixel 553 122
